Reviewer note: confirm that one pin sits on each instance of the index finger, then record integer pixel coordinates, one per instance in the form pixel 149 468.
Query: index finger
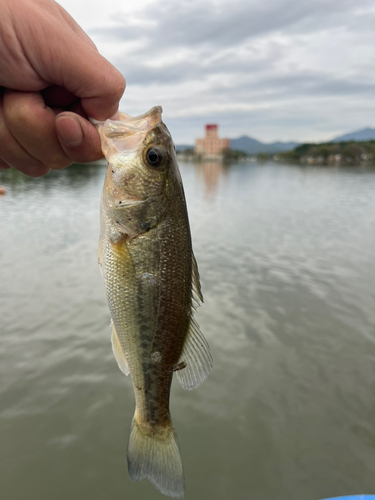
pixel 72 63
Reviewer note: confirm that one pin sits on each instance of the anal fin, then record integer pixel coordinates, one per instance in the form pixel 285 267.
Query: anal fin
pixel 197 358
pixel 118 352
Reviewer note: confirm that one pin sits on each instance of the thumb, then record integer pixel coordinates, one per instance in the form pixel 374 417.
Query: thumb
pixel 94 80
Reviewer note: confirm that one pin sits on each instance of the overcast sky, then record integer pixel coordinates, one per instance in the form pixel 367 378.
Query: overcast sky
pixel 272 69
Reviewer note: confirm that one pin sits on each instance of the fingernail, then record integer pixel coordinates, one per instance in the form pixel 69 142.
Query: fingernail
pixel 69 130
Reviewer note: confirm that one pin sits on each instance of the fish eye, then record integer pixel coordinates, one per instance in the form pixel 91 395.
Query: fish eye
pixel 155 157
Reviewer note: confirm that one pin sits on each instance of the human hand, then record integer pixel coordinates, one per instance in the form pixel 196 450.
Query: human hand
pixel 51 79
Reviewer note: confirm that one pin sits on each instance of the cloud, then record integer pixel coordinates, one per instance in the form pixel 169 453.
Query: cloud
pixel 225 24
pixel 280 69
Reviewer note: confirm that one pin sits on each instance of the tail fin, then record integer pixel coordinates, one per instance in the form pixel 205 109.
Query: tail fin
pixel 157 458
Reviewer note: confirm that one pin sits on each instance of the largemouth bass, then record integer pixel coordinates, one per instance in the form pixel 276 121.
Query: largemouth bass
pixel 152 284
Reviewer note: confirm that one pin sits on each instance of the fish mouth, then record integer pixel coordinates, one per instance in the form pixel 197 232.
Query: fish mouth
pixel 124 136
pixel 128 125
pixel 126 122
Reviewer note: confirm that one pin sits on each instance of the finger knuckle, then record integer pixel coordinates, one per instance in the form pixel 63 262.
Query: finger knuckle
pixel 16 112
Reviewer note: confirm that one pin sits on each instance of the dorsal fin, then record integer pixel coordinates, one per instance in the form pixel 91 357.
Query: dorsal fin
pixel 196 284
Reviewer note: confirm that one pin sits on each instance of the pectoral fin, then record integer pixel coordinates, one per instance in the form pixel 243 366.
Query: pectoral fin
pixel 118 352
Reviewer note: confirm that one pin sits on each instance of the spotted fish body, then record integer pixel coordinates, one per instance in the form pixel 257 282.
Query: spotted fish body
pixel 152 286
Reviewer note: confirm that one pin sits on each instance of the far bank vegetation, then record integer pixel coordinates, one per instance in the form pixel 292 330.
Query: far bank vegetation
pixel 330 153
pixel 326 153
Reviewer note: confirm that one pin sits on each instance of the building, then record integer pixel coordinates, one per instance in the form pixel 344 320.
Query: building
pixel 211 146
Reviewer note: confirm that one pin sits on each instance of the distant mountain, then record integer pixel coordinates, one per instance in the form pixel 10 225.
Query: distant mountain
pixel 183 147
pixel 367 134
pixel 245 143
pixel 253 147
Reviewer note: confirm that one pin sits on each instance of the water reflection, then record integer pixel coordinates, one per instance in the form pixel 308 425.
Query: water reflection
pixel 74 177
pixel 286 259
pixel 211 174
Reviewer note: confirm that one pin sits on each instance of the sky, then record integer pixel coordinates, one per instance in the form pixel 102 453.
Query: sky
pixel 300 70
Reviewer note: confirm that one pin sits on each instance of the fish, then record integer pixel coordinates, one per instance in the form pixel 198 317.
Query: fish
pixel 153 287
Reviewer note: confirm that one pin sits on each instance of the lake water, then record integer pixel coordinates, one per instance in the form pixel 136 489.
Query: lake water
pixel 287 261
